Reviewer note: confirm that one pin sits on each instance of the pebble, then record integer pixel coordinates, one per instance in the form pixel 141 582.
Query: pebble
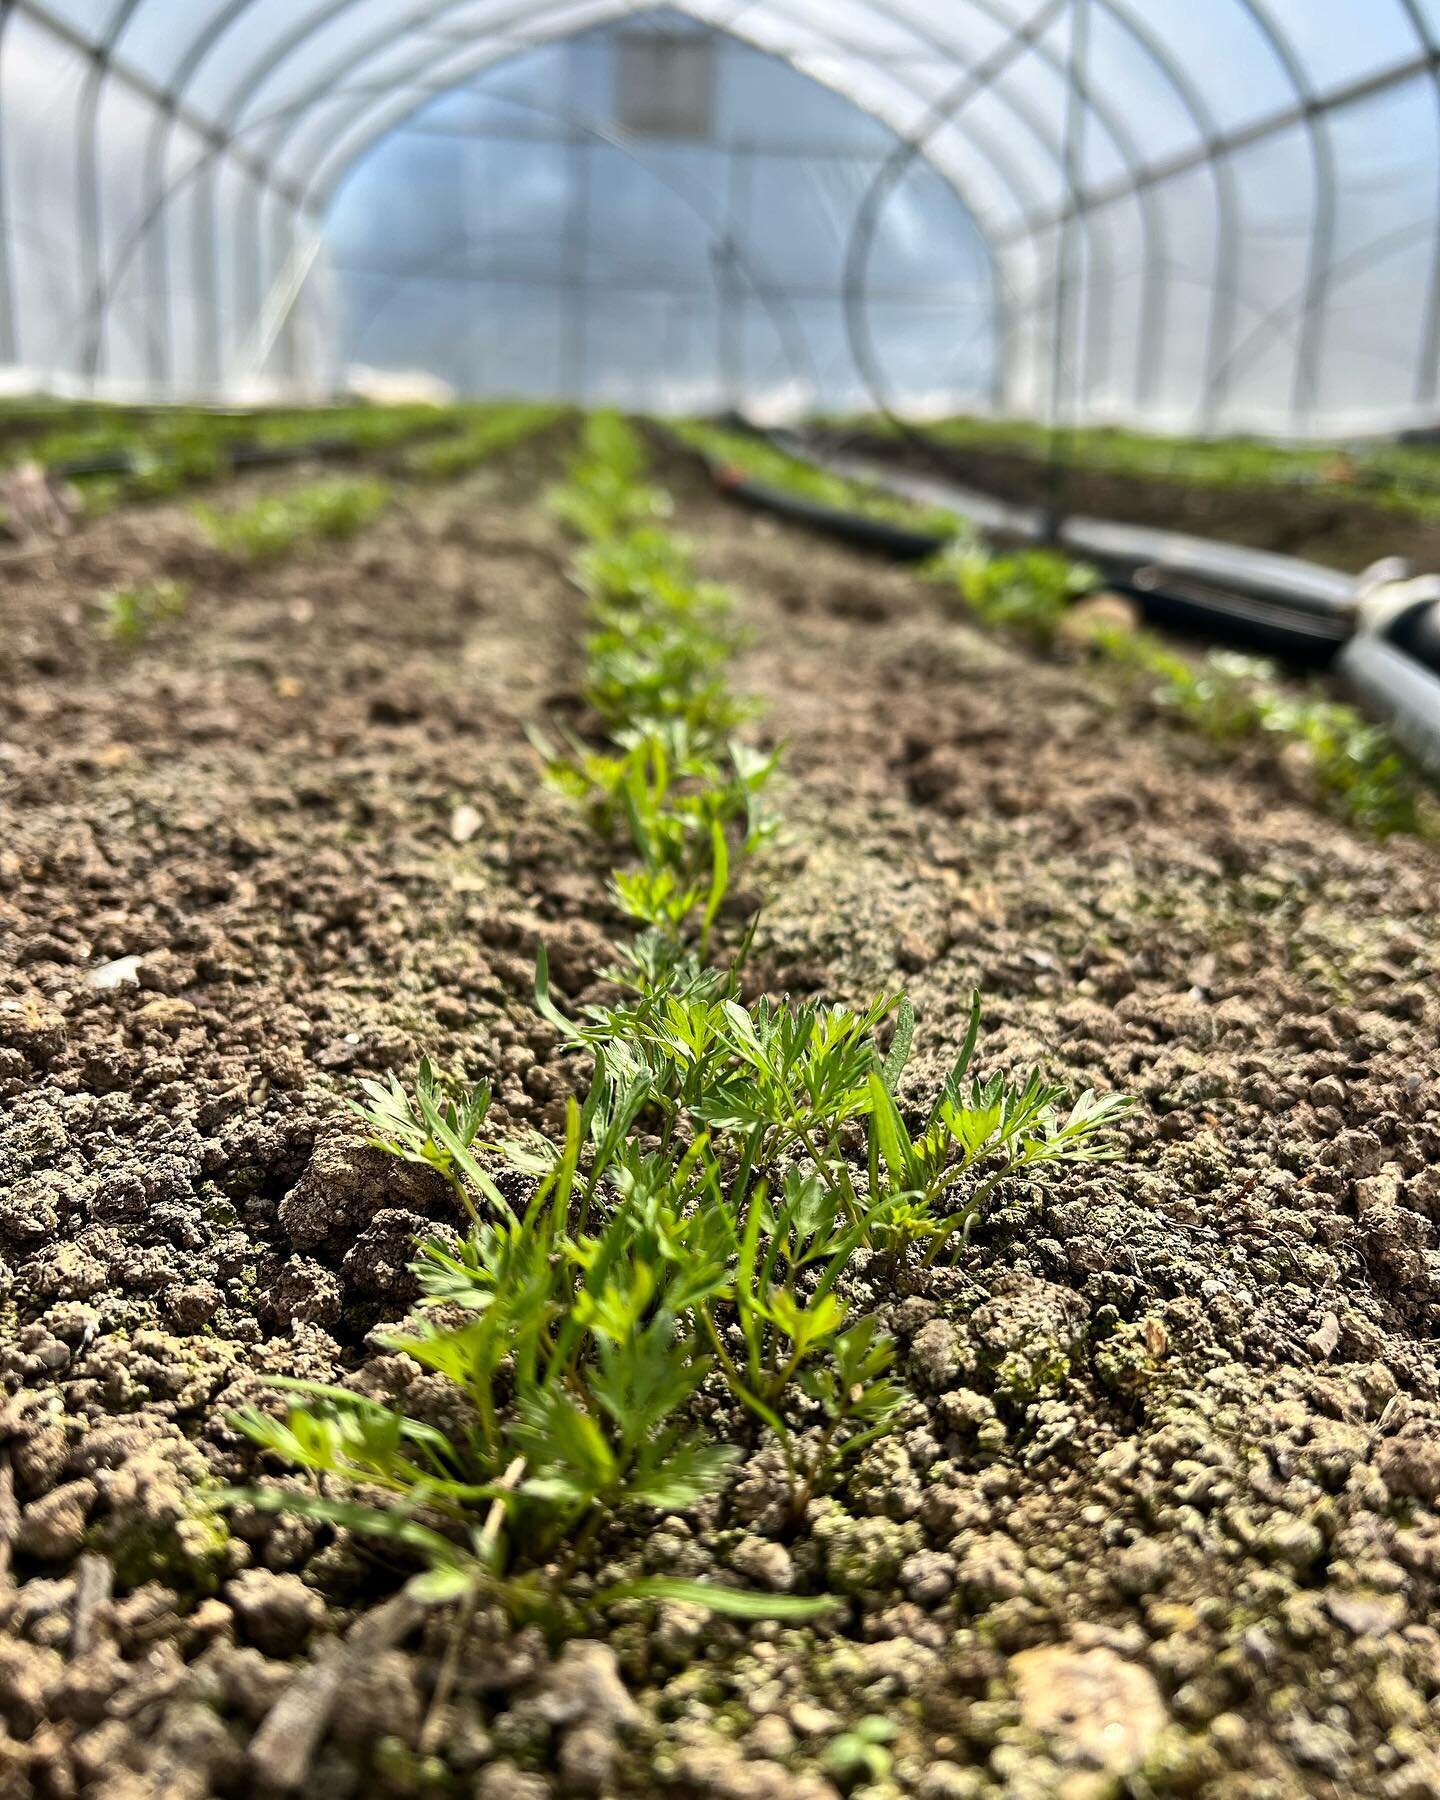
pixel 1095 1709
pixel 53 1527
pixel 764 1562
pixel 1294 1542
pixel 123 971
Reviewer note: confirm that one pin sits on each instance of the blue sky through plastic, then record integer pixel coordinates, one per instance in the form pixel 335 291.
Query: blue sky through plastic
pixel 683 273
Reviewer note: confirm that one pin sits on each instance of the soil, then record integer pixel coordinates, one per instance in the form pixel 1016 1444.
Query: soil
pixel 1320 527
pixel 1163 1518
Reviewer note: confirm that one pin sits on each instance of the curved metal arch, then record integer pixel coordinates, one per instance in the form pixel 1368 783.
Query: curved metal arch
pixel 1097 240
pixel 485 56
pixel 9 343
pixel 456 78
pixel 1153 221
pixel 994 155
pixel 1427 372
pixel 1152 213
pixel 212 152
pixel 1097 244
pixel 1030 117
pixel 196 52
pixel 87 160
pixel 1000 320
pixel 170 106
pixel 1279 318
pixel 1227 203
pixel 1322 158
pixel 157 154
pixel 448 84
pixel 376 42
pixel 976 134
pixel 943 110
pixel 243 91
pixel 1322 231
pixel 1017 186
pixel 453 81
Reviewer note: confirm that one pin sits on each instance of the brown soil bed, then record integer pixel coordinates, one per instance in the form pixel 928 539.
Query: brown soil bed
pixel 1347 534
pixel 1164 1514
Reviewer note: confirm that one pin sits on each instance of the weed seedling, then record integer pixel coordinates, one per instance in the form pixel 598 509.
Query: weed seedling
pixel 130 614
pixel 1359 769
pixel 268 529
pixel 860 1755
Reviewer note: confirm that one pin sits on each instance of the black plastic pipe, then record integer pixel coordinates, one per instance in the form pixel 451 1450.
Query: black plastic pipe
pixel 1124 551
pixel 898 542
pixel 241 454
pixel 1296 633
pixel 1307 627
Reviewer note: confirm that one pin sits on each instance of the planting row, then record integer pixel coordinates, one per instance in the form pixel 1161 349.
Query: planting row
pixel 1356 768
pixel 724 1165
pixel 273 526
pixel 111 455
pixel 1403 478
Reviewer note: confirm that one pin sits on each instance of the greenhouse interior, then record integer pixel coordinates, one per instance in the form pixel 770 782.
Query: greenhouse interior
pixel 719 899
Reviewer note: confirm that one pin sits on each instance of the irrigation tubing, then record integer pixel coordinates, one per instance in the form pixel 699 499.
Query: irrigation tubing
pixel 855 529
pixel 1378 629
pixel 1277 603
pixel 1402 693
pixel 1404 613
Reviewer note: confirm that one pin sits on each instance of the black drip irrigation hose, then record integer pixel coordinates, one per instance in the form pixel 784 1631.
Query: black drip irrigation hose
pixel 856 529
pixel 239 455
pixel 1296 633
pixel 1381 632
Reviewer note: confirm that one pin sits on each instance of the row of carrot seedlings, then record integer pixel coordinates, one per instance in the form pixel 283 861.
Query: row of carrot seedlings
pixel 722 1162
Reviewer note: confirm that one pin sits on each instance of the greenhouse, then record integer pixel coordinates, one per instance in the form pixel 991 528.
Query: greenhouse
pixel 719 852
pixel 674 207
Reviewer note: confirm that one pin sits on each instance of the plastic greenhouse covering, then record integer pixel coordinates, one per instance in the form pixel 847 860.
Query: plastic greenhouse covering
pixel 1216 215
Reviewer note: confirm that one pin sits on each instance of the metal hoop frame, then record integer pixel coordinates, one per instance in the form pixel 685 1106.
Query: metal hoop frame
pixel 331 116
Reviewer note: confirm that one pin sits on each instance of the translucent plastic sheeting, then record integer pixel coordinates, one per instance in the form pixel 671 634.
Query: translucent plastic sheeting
pixel 1213 216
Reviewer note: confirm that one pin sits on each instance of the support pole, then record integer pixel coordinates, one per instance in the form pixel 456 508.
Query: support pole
pixel 1065 336
pixel 9 337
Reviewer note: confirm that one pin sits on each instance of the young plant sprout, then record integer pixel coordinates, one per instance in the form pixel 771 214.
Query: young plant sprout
pixel 130 614
pixel 1028 593
pixel 689 794
pixel 579 1324
pixel 1358 771
pixel 269 528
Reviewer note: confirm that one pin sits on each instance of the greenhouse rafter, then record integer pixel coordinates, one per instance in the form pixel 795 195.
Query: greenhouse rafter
pixel 211 151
